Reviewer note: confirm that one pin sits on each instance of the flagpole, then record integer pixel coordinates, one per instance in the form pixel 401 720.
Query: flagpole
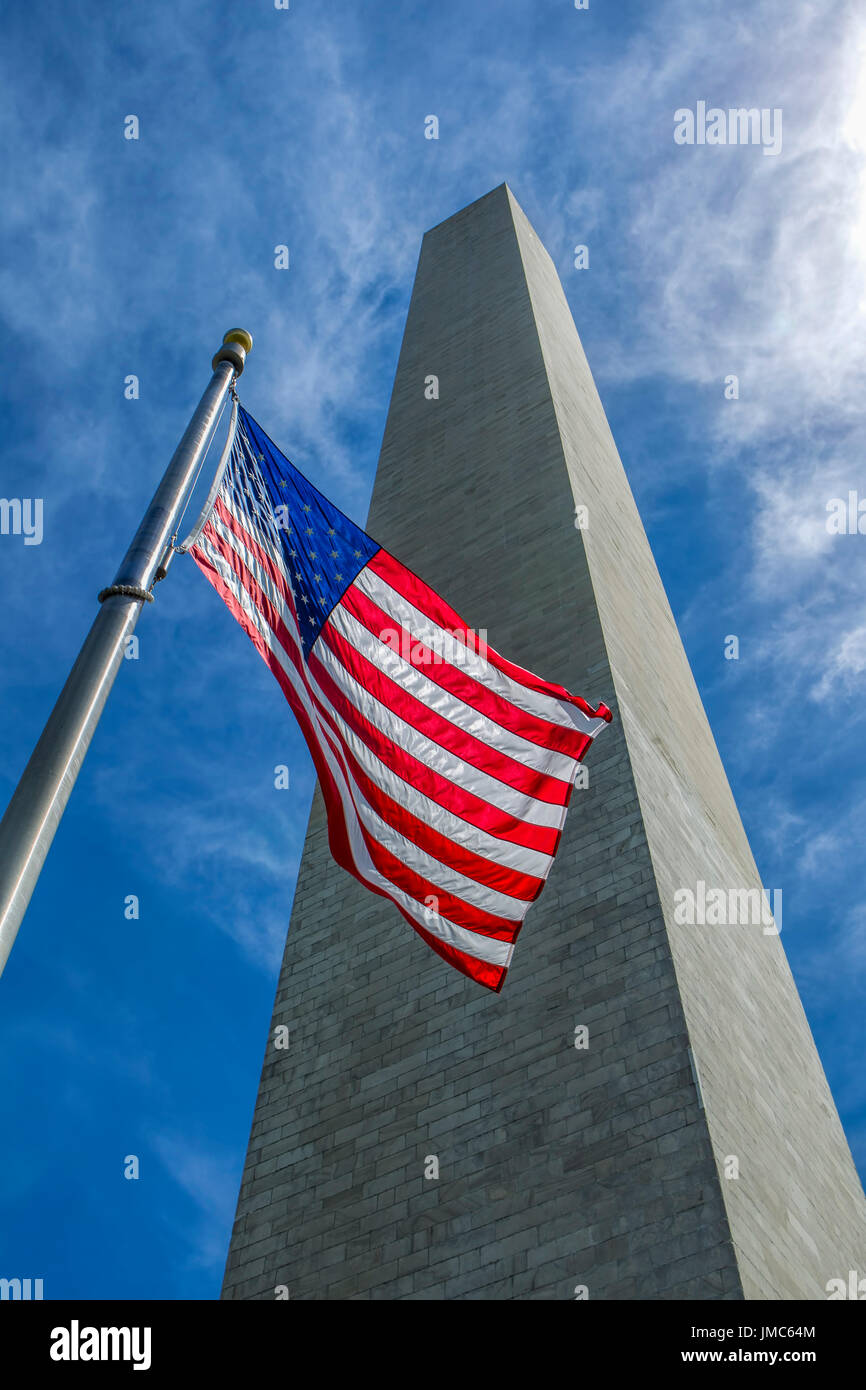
pixel 39 800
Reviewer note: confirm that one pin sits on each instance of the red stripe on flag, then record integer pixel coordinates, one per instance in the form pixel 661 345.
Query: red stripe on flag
pixel 460 684
pixel 455 798
pixel 503 879
pixel 434 726
pixel 422 597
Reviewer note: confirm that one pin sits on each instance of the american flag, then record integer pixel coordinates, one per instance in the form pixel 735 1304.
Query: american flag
pixel 446 770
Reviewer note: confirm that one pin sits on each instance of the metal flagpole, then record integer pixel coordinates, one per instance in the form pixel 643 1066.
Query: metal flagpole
pixel 40 798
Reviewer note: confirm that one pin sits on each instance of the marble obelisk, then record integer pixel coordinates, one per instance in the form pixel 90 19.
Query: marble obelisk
pixel 642 1112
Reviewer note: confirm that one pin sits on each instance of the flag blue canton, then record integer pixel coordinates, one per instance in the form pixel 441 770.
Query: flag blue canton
pixel 323 550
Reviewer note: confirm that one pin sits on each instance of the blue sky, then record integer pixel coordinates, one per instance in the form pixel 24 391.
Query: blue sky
pixel 305 127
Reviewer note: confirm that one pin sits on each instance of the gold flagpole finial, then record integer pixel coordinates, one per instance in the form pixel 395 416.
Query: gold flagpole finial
pixel 240 335
pixel 236 344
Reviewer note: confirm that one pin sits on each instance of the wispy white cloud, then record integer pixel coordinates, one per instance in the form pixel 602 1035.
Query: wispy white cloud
pixel 209 1180
pixel 846 669
pixel 747 263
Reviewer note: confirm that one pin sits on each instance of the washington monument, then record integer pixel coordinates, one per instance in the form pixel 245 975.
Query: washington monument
pixel 641 1113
